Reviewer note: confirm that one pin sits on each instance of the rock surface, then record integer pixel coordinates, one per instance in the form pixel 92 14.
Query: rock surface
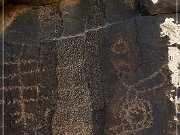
pixel 160 6
pixel 89 67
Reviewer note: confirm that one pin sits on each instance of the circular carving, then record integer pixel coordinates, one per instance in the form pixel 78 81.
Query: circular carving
pixel 134 116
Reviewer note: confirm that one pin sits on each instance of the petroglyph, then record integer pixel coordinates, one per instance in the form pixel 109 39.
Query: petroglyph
pixel 73 114
pixel 21 93
pixel 133 116
pixel 97 68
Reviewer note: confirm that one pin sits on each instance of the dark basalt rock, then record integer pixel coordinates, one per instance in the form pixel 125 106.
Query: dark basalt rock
pixel 117 10
pixel 160 7
pixel 95 67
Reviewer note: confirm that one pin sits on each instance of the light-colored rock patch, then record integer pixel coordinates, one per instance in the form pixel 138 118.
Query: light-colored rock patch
pixel 171 28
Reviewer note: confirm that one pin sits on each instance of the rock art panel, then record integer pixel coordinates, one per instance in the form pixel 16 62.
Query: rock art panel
pixel 92 68
pixel 142 75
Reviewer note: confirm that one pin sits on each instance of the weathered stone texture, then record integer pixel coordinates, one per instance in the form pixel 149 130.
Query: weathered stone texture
pixel 95 67
pixel 117 10
pixel 161 6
